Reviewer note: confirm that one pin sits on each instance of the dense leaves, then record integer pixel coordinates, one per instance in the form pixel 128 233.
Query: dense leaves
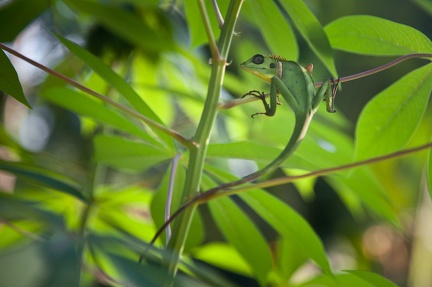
pixel 85 207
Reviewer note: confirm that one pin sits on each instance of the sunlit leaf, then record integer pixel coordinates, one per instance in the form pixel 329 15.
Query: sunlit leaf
pixel 126 154
pixel 374 279
pixel 216 254
pixel 390 119
pixel 429 173
pixel 291 225
pixel 44 177
pixel 85 106
pixel 270 21
pixel 9 82
pixel 243 234
pixel 376 36
pixel 290 258
pixel 115 80
pixel 362 188
pixel 312 31
pixel 344 279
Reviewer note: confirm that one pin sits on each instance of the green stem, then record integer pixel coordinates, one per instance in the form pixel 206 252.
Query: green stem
pixel 202 135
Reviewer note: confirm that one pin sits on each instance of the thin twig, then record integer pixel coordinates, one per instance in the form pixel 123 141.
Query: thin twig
pixel 170 194
pixel 218 13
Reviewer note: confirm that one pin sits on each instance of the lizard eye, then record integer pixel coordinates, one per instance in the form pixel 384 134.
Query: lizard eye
pixel 258 59
pixel 272 66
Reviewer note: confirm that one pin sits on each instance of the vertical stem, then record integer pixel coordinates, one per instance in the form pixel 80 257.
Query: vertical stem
pixel 202 135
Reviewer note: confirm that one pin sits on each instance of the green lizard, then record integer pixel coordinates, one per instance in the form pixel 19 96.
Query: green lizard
pixel 296 86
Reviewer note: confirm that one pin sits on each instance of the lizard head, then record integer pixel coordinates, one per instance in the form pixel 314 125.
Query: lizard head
pixel 262 66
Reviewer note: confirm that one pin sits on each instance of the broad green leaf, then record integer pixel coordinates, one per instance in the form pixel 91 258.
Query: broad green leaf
pixel 216 254
pixel 9 82
pixel 243 150
pixel 85 106
pixel 289 224
pixel 135 274
pixel 17 14
pixel 125 212
pixel 338 280
pixel 126 154
pixel 376 36
pixel 43 177
pixel 116 81
pixel 389 120
pixel 364 185
pixel 312 31
pixel 128 26
pixel 239 230
pixel 372 278
pixel 17 232
pixel 269 20
pixel 290 258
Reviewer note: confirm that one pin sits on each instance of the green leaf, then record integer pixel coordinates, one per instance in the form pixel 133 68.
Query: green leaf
pixel 243 150
pixel 389 120
pixel 243 234
pixel 429 173
pixel 312 31
pixel 85 106
pixel 17 14
pixel 216 254
pixel 338 280
pixel 116 81
pixel 135 274
pixel 43 177
pixel 366 187
pixel 128 26
pixel 290 258
pixel 374 279
pixel 289 224
pixel 375 36
pixel 9 82
pixel 266 16
pixel 123 212
pixel 126 154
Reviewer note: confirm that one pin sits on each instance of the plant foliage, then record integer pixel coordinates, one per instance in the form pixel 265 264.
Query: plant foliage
pixel 133 123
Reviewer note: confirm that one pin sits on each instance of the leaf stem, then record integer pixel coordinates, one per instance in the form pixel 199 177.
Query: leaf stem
pixel 184 141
